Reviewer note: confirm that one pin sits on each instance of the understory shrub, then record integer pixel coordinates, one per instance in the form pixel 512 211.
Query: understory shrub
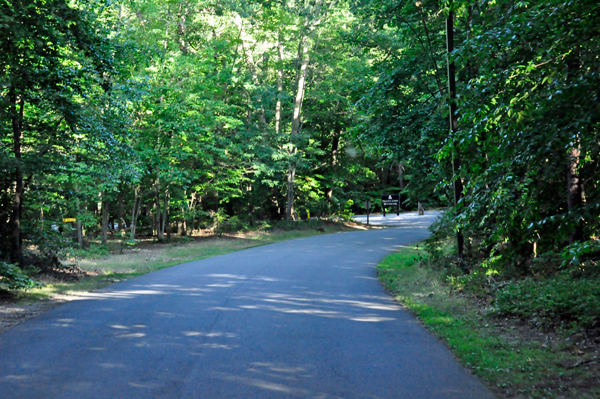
pixel 231 224
pixel 93 251
pixel 559 301
pixel 12 278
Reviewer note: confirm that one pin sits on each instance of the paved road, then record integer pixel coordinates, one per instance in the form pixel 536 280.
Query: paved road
pixel 304 318
pixel 405 219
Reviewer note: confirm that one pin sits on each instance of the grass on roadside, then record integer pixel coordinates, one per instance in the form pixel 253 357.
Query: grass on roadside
pixel 512 364
pixel 106 269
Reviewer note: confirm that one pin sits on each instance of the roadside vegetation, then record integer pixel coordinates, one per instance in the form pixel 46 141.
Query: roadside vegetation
pixel 532 353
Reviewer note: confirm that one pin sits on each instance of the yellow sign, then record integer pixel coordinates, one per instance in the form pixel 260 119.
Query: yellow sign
pixel 69 220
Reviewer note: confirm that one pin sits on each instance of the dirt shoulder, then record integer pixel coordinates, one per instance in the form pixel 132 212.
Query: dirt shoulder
pixel 12 313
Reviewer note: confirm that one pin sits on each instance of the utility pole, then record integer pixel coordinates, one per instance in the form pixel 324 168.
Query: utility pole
pixel 458 187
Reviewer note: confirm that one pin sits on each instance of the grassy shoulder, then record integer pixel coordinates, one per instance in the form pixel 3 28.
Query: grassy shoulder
pixel 105 266
pixel 514 360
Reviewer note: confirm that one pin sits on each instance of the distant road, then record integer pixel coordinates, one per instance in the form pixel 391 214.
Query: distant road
pixel 406 219
pixel 299 319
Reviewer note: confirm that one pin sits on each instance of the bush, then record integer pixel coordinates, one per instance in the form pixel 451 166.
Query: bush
pixel 582 255
pixel 443 231
pixel 559 301
pixel 50 246
pixel 13 278
pixel 231 224
pixel 94 251
pixel 347 213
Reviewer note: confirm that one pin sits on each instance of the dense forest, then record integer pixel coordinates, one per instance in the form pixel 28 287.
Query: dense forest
pixel 164 117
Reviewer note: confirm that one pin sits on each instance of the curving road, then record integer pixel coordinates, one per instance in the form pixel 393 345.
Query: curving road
pixel 304 318
pixel 405 219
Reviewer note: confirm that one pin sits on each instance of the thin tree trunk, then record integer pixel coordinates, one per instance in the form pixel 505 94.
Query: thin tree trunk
pixel 279 84
pixel 164 214
pixel 159 231
pixel 191 206
pixel 135 211
pixel 168 20
pixel 304 57
pixel 574 183
pixel 458 187
pixel 289 215
pixel 79 225
pixel 17 205
pixel 574 190
pixel 104 219
pixel 121 212
pixel 335 143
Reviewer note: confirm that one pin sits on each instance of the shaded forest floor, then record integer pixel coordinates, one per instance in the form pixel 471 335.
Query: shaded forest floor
pixel 100 266
pixel 513 357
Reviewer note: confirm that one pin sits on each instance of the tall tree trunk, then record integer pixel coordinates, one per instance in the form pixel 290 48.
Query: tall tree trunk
pixel 574 183
pixel 17 106
pixel 121 212
pixel 304 58
pixel 279 83
pixel 104 219
pixel 168 20
pixel 137 200
pixel 79 225
pixel 188 224
pixel 164 214
pixel 574 190
pixel 289 214
pixel 335 143
pixel 158 220
pixel 458 187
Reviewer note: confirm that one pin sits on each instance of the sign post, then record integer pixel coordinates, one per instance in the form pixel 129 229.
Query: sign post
pixel 368 208
pixel 391 200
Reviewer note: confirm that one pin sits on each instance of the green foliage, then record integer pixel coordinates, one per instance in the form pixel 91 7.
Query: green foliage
pixel 583 256
pixel 347 213
pixel 93 251
pixel 12 278
pixel 526 114
pixel 513 365
pixel 60 119
pixel 50 244
pixel 559 301
pixel 231 224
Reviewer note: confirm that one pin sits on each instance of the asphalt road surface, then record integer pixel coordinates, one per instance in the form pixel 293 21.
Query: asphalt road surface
pixel 304 318
pixel 407 219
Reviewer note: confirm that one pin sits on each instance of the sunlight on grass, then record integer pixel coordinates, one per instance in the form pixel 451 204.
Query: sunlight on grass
pixel 114 268
pixel 145 260
pixel 507 366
